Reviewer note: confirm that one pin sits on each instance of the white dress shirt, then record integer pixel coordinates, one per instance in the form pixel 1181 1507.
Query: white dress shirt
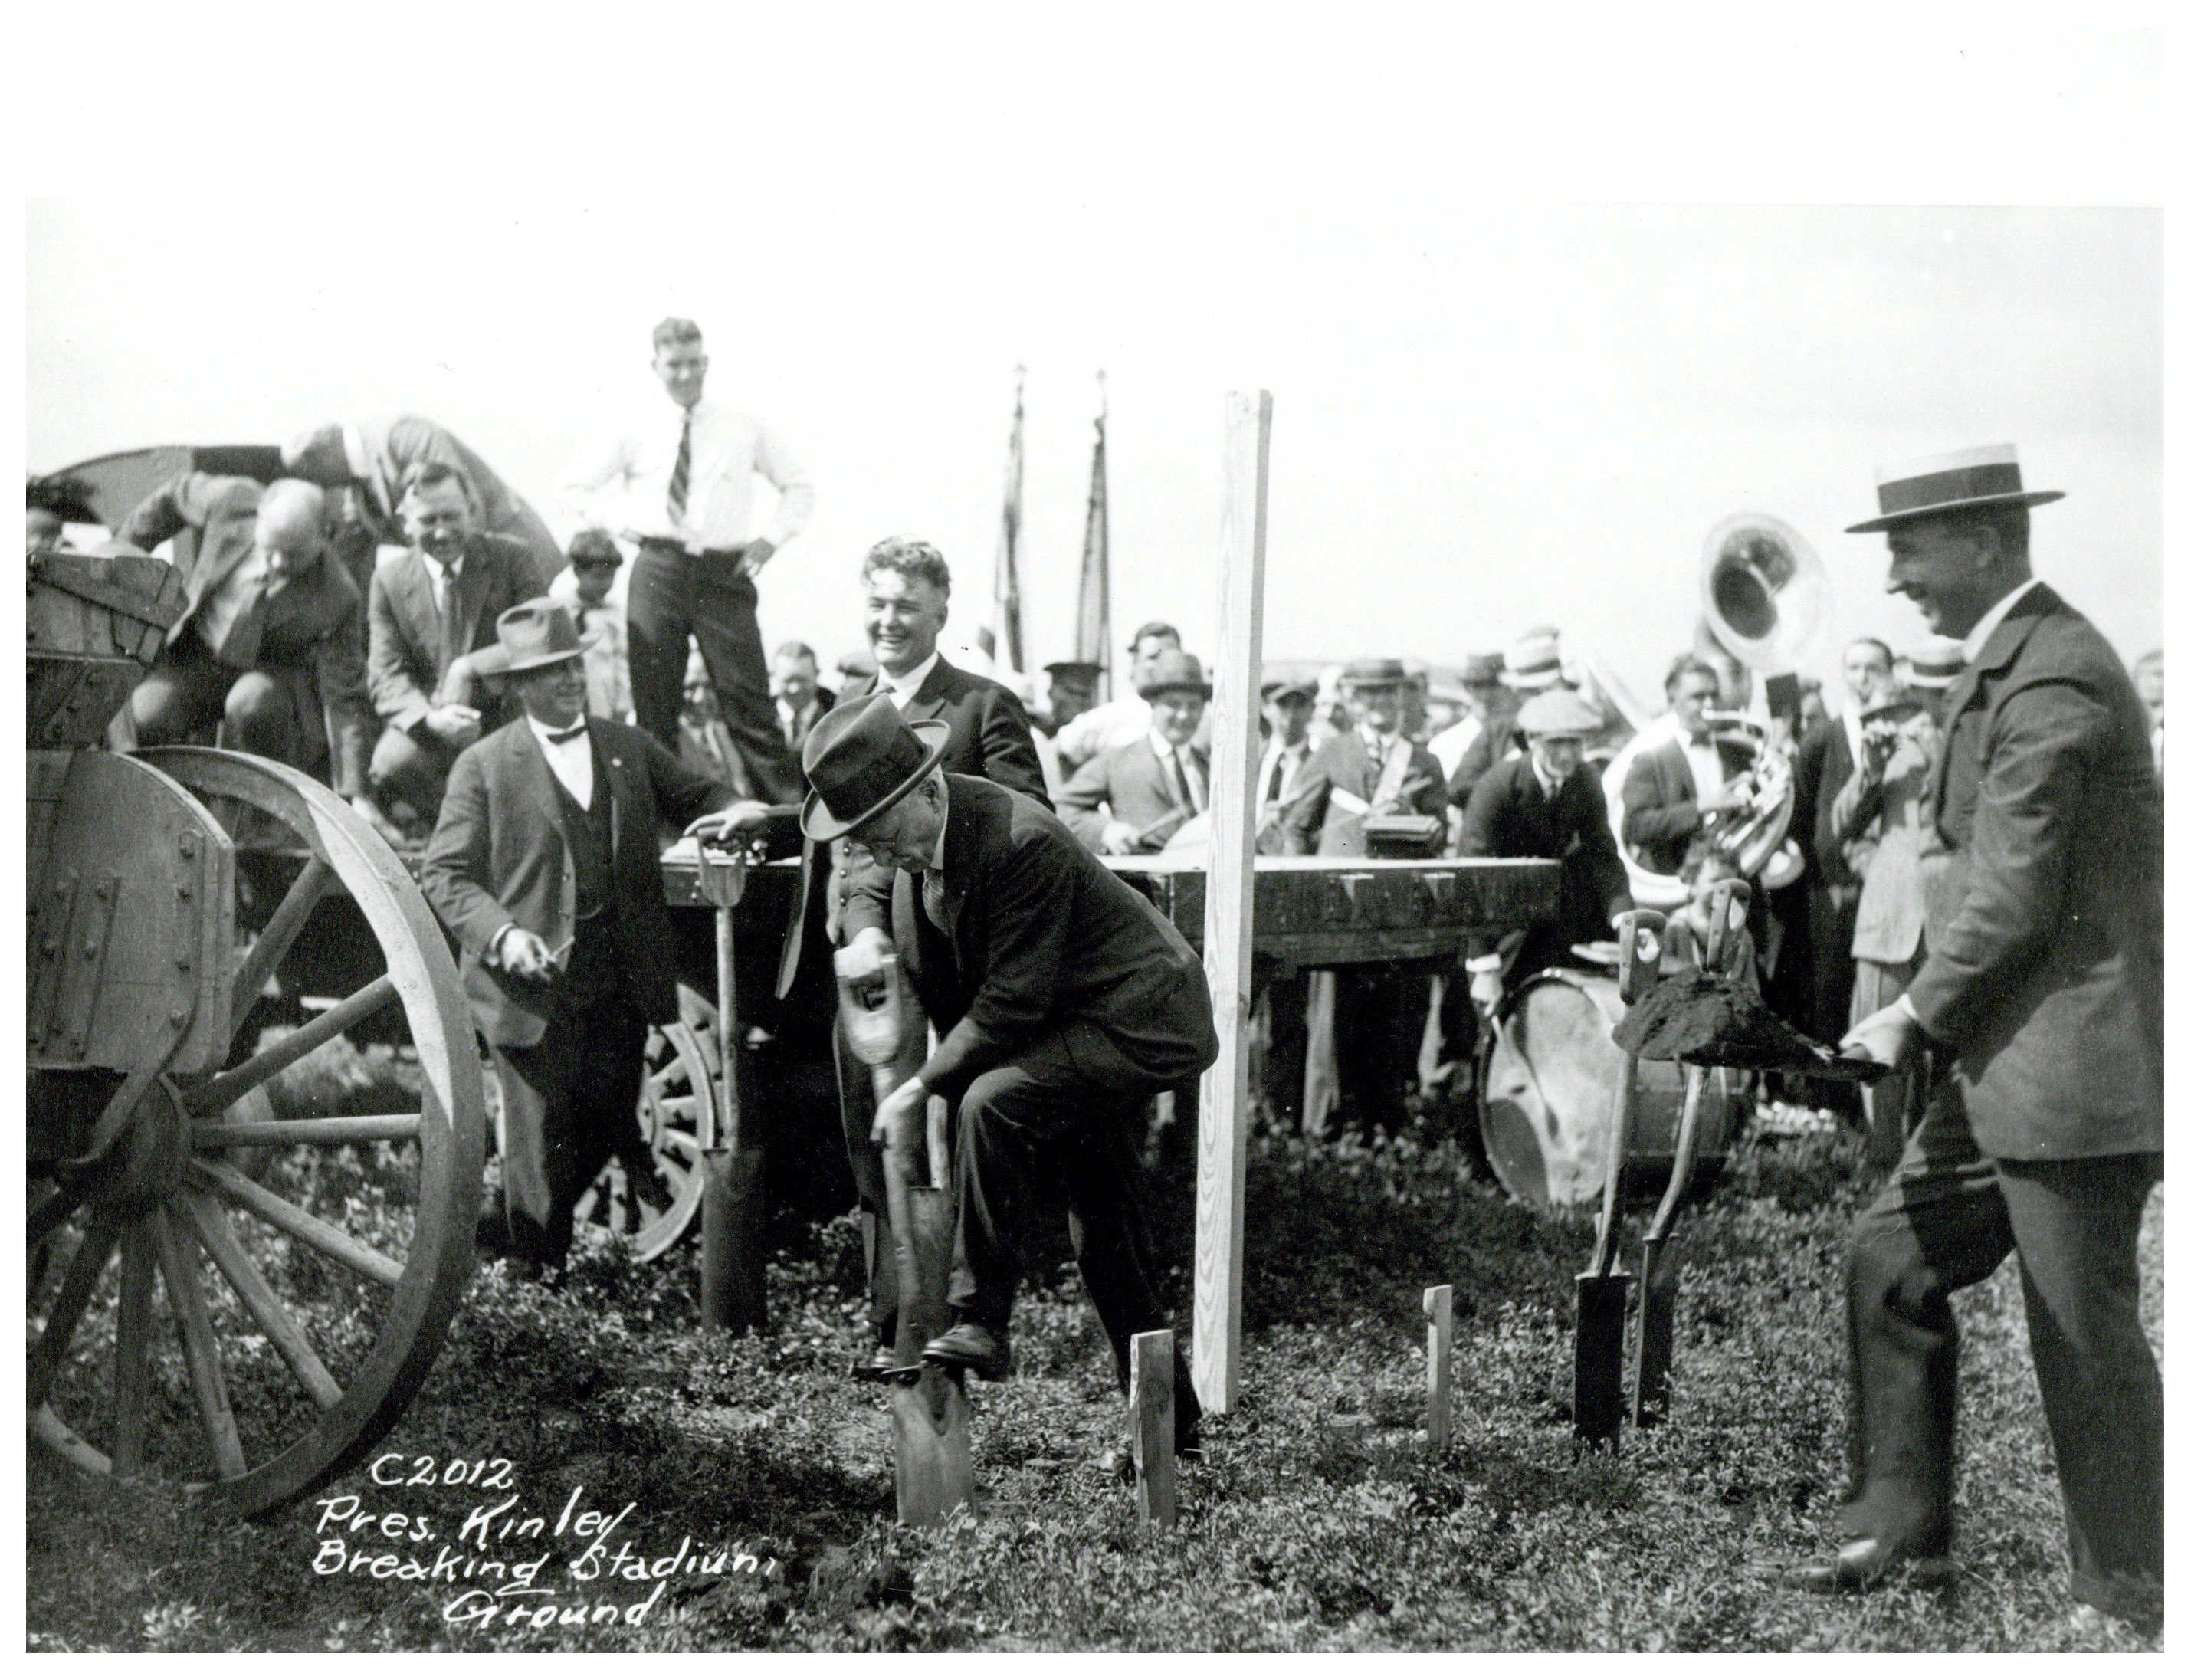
pixel 1448 745
pixel 1115 723
pixel 901 689
pixel 1705 767
pixel 1287 761
pixel 443 577
pixel 1176 765
pixel 621 481
pixel 1982 632
pixel 573 760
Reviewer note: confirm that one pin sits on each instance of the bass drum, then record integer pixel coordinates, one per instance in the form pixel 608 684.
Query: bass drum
pixel 1547 1111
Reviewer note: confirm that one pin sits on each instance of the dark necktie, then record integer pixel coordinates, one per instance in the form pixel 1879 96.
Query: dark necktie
pixel 680 476
pixel 1277 778
pixel 1376 761
pixel 559 736
pixel 931 899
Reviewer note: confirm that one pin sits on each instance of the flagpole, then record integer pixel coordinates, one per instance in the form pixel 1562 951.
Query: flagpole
pixel 1091 640
pixel 1007 649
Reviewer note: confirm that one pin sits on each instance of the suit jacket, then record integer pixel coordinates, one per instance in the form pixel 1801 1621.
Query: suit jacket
pixel 408 656
pixel 1659 804
pixel 1270 805
pixel 392 450
pixel 1337 790
pixel 1134 785
pixel 990 737
pixel 1491 746
pixel 2043 919
pixel 1041 939
pixel 1823 765
pixel 313 643
pixel 1509 816
pixel 500 854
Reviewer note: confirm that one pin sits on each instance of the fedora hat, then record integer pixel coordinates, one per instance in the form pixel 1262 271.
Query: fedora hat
pixel 861 759
pixel 1989 477
pixel 1482 670
pixel 1557 712
pixel 1374 673
pixel 530 636
pixel 1533 660
pixel 1172 670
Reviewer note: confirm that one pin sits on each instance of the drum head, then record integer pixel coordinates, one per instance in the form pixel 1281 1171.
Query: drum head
pixel 1547 1093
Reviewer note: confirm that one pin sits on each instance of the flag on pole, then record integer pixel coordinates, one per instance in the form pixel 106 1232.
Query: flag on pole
pixel 1001 639
pixel 1091 640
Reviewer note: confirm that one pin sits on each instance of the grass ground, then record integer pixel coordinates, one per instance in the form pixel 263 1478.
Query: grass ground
pixel 1317 1524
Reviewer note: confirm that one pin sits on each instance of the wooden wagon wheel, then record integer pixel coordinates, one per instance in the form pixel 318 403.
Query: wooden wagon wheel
pixel 677 1118
pixel 344 1242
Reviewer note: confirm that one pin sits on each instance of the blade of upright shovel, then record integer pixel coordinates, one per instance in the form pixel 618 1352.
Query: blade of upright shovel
pixel 929 1419
pixel 1602 1288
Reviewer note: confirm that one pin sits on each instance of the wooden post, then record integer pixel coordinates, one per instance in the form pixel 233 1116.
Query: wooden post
pixel 733 1189
pixel 1437 1308
pixel 1228 930
pixel 1150 1357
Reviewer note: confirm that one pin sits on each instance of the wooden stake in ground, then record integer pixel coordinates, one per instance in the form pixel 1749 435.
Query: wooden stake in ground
pixel 1437 1308
pixel 1151 1400
pixel 1228 928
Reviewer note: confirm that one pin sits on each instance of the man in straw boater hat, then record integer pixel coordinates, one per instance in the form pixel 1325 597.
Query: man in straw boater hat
pixel 1546 804
pixel 546 866
pixel 1064 1001
pixel 2040 996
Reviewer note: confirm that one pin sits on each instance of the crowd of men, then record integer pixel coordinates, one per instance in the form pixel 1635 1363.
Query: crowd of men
pixel 1972 868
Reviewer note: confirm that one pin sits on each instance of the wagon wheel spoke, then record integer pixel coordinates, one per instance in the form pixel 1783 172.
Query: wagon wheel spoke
pixel 179 1271
pixel 52 1212
pixel 77 1282
pixel 280 932
pixel 225 1089
pixel 309 1228
pixel 132 1348
pixel 218 1237
pixel 227 1134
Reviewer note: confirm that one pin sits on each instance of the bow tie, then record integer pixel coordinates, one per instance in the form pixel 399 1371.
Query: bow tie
pixel 559 736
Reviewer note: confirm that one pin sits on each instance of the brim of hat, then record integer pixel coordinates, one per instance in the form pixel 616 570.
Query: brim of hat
pixel 1550 678
pixel 1935 683
pixel 1203 689
pixel 815 819
pixel 2008 499
pixel 491 661
pixel 1291 691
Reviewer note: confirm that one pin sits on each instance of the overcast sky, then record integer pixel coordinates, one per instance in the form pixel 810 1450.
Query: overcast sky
pixel 1488 415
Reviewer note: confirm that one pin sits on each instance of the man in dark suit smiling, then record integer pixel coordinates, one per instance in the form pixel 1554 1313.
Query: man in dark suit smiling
pixel 2040 990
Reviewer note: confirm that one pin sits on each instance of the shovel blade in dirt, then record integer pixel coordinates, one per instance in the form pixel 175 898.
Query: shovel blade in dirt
pixel 1600 1325
pixel 930 1425
pixel 1660 1279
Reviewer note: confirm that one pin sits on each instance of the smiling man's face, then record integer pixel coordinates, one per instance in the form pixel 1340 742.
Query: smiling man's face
pixel 1950 573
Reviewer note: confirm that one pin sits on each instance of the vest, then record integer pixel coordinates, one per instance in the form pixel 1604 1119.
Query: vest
pixel 593 970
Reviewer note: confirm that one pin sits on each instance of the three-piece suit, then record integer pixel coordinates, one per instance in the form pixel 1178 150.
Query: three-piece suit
pixel 514 846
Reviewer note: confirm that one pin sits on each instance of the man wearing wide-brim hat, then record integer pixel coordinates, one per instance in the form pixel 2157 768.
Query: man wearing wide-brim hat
pixel 1064 1001
pixel 1136 797
pixel 1372 770
pixel 546 866
pixel 1546 803
pixel 2040 995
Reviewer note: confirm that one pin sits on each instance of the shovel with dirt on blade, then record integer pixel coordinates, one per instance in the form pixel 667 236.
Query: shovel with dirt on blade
pixel 930 1428
pixel 1602 1288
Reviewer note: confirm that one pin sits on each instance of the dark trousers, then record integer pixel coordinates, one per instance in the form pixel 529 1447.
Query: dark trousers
pixel 1285 1064
pixel 1038 1114
pixel 569 1103
pixel 855 1104
pixel 676 597
pixel 1948 1217
pixel 188 692
pixel 1376 1029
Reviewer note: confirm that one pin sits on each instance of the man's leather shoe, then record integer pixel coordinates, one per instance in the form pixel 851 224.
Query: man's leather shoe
pixel 975 1347
pixel 1863 1564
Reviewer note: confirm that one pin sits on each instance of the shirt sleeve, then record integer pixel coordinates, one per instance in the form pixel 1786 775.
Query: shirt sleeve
pixel 794 501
